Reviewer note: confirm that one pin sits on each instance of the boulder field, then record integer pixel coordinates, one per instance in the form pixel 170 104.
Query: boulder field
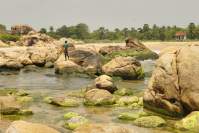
pixel 173 88
pixel 44 51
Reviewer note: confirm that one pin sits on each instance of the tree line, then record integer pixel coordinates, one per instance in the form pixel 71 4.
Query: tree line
pixel 146 32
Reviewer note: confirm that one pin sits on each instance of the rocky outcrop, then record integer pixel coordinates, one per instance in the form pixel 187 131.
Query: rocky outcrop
pixel 36 39
pixel 173 88
pixel 103 128
pixel 27 127
pixel 18 57
pixel 44 49
pixel 21 29
pixel 125 67
pixel 81 60
pixel 105 82
pixel 133 48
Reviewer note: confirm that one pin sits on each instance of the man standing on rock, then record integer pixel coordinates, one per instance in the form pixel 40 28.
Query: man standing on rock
pixel 66 50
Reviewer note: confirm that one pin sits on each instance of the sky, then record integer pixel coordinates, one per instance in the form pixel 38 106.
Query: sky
pixel 108 13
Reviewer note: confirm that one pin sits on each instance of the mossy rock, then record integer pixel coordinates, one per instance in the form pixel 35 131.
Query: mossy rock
pixel 190 122
pixel 127 100
pixel 150 122
pixel 25 112
pixel 24 99
pixel 131 115
pixel 124 92
pixel 48 100
pixel 70 115
pixel 75 122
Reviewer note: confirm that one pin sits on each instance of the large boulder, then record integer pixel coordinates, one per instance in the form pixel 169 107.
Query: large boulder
pixel 103 128
pixel 8 105
pixel 98 97
pixel 125 67
pixel 67 67
pixel 27 127
pixel 173 88
pixel 86 60
pixel 105 82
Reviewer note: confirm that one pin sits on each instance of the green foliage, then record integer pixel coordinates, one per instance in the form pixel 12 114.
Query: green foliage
pixel 43 30
pixel 2 28
pixel 8 37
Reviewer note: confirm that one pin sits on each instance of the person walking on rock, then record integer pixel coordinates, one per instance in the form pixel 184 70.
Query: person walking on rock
pixel 66 50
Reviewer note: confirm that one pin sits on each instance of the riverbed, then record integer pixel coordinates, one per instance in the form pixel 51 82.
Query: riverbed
pixel 44 82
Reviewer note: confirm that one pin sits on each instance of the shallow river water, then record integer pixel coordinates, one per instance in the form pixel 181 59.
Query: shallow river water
pixel 45 83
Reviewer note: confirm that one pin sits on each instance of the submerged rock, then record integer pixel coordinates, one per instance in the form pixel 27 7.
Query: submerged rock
pixel 103 128
pixel 98 97
pixel 150 122
pixel 75 122
pixel 131 115
pixel 26 127
pixel 70 115
pixel 124 92
pixel 9 105
pixel 173 88
pixel 127 100
pixel 190 122
pixel 24 99
pixel 105 82
pixel 124 67
pixel 62 101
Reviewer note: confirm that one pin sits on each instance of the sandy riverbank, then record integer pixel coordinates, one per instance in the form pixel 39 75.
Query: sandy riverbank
pixel 155 46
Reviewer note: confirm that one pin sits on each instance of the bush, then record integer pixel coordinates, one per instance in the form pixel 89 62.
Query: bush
pixel 8 37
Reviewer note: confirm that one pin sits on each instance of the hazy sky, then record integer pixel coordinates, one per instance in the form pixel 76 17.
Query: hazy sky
pixel 95 13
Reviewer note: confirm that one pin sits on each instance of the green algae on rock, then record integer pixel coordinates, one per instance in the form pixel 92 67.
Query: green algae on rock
pixel 127 100
pixel 24 99
pixel 61 101
pixel 70 115
pixel 131 115
pixel 75 122
pixel 150 121
pixel 124 92
pixel 190 122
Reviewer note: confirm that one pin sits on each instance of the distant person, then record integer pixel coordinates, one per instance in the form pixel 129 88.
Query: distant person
pixel 66 50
